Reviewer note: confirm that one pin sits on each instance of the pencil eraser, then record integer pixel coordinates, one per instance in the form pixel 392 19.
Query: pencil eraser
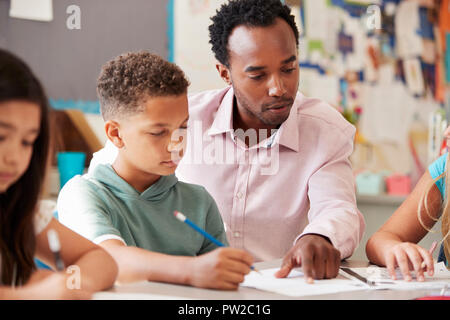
pixel 179 216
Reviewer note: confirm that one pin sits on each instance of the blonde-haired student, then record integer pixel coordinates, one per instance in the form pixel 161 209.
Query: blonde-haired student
pixel 128 207
pixel 24 222
pixel 395 243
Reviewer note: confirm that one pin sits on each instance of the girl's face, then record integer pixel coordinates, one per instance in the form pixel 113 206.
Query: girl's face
pixel 19 128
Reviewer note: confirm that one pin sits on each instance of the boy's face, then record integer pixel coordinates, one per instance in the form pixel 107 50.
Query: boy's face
pixel 151 142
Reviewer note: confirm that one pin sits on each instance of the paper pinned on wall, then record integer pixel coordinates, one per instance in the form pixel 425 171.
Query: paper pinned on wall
pixel 39 10
pixel 413 75
pixel 316 19
pixel 388 113
pixel 325 87
pixel 407 22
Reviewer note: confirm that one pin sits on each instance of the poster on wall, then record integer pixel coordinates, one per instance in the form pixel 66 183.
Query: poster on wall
pixel 190 42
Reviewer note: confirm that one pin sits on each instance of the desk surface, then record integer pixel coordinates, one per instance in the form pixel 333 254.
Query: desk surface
pixel 157 290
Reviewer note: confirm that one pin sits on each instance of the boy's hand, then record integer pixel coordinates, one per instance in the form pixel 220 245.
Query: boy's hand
pixel 222 268
pixel 316 255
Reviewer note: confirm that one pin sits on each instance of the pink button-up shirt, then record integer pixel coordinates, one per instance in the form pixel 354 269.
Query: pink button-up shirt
pixel 297 181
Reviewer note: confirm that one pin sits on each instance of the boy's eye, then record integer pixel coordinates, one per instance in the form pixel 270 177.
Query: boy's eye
pixel 157 134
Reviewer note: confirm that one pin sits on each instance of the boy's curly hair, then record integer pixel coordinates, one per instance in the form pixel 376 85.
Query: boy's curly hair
pixel 252 13
pixel 127 81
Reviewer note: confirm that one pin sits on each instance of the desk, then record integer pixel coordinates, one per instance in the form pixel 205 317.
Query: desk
pixel 243 293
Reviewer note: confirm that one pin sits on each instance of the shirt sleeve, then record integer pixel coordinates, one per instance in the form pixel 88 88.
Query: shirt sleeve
pixel 333 211
pixel 44 214
pixel 81 209
pixel 436 169
pixel 214 226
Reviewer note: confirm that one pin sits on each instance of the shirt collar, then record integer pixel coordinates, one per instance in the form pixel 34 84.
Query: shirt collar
pixel 108 177
pixel 287 134
pixel 223 120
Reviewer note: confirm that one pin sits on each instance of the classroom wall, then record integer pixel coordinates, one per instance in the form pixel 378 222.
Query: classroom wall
pixel 68 61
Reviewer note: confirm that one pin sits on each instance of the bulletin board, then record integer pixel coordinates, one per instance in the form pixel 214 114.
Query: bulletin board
pixel 382 64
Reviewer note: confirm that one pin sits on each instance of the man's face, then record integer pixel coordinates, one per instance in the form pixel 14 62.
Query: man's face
pixel 264 72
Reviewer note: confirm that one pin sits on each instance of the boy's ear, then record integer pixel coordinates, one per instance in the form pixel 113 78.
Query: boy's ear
pixel 112 130
pixel 224 73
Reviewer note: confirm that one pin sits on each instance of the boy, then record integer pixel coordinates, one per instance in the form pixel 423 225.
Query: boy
pixel 127 207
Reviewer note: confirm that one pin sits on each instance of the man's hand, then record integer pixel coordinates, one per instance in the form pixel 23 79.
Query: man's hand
pixel 316 255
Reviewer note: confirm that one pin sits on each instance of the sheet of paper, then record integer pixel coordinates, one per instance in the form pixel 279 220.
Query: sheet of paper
pixel 316 25
pixel 413 74
pixel 407 22
pixel 315 85
pixel 383 280
pixel 40 10
pixel 295 284
pixel 388 113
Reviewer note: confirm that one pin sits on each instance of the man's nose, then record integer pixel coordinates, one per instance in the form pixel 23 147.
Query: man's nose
pixel 276 87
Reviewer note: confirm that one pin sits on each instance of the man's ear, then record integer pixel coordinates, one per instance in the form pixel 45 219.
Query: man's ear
pixel 112 130
pixel 224 73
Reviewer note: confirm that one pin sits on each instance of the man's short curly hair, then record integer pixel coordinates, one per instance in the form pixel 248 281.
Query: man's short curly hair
pixel 127 81
pixel 252 13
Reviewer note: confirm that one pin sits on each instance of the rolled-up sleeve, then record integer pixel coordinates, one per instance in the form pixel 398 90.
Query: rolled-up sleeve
pixel 331 190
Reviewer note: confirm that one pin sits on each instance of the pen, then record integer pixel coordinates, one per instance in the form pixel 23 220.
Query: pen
pixel 183 218
pixel 55 247
pixel 432 248
pixel 359 277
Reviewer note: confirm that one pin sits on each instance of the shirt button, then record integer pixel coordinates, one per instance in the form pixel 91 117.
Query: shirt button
pixel 236 234
pixel 239 195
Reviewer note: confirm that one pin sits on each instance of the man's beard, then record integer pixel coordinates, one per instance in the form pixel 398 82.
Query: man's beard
pixel 243 102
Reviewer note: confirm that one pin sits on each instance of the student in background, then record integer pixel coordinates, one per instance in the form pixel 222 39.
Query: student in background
pixel 395 243
pixel 24 145
pixel 128 207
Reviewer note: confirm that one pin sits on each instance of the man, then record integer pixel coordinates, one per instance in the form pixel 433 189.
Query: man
pixel 275 161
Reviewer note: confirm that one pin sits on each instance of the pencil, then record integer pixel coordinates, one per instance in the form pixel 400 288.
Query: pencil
pixel 183 218
pixel 55 247
pixel 432 248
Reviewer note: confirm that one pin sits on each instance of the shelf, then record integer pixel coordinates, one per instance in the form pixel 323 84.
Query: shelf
pixel 382 199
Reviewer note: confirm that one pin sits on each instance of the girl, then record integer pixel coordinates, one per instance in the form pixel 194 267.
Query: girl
pixel 24 145
pixel 395 244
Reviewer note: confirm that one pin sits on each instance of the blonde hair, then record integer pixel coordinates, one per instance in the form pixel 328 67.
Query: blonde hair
pixel 445 216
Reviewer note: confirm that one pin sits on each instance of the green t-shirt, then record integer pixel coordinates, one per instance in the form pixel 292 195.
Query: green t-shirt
pixel 103 206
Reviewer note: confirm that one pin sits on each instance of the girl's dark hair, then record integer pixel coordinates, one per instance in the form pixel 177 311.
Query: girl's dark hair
pixel 250 13
pixel 18 203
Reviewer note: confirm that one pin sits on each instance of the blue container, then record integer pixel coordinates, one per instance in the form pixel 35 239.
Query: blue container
pixel 69 165
pixel 370 183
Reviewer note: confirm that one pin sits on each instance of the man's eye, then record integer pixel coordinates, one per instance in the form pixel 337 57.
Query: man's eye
pixel 257 77
pixel 289 70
